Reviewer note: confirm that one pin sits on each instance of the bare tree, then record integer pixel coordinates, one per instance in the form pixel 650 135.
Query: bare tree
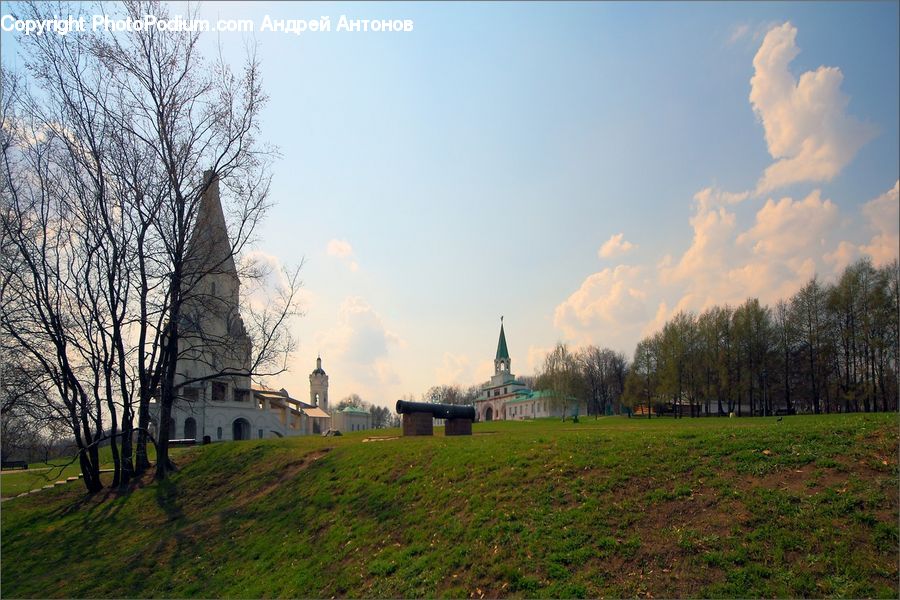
pixel 353 400
pixel 604 373
pixel 105 260
pixel 562 377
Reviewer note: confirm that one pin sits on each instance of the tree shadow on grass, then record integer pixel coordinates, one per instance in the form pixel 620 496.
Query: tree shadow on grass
pixel 106 503
pixel 167 499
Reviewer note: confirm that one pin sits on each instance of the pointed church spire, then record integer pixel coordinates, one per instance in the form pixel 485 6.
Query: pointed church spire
pixel 209 251
pixel 502 363
pixel 502 351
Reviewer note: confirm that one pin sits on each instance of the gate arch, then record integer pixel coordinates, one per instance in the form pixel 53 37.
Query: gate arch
pixel 240 429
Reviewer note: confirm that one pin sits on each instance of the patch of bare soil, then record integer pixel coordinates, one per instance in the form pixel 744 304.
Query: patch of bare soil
pixel 664 568
pixel 806 481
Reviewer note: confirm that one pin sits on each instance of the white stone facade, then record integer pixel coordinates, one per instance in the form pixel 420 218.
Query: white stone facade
pixel 505 398
pixel 351 419
pixel 216 397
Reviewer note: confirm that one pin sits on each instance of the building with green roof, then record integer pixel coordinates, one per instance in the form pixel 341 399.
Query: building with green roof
pixel 506 398
pixel 351 418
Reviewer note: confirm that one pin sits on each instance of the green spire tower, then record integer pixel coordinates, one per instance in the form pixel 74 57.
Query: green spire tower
pixel 502 362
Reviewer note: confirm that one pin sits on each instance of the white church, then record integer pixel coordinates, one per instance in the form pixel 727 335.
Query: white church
pixel 505 398
pixel 214 341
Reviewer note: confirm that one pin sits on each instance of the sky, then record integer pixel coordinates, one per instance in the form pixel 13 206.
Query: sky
pixel 584 169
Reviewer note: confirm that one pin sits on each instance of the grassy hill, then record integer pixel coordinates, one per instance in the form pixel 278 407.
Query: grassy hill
pixel 610 507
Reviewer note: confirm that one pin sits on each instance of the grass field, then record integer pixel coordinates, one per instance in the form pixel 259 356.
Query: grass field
pixel 610 507
pixel 14 482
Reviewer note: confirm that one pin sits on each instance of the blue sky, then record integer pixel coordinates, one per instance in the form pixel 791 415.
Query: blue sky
pixel 477 166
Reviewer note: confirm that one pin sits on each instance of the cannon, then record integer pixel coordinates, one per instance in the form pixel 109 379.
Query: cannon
pixel 418 418
pixel 438 411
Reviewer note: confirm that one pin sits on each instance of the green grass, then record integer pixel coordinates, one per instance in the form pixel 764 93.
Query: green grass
pixel 13 483
pixel 608 507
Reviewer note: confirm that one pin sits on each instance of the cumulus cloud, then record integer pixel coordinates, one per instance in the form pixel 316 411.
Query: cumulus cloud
pixel 779 251
pixel 615 246
pixel 606 303
pixel 343 250
pixel 883 214
pixel 534 360
pixel 361 342
pixel 806 126
pixel 262 278
pixel 787 241
pixel 786 228
pixel 454 369
pixel 713 227
pixel 842 256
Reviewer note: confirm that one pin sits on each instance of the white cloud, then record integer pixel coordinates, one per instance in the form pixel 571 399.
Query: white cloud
pixel 812 138
pixel 737 32
pixel 784 246
pixel 786 228
pixel 606 308
pixel 713 227
pixel 883 214
pixel 659 320
pixel 262 278
pixel 484 370
pixel 842 256
pixel 788 240
pixel 534 360
pixel 343 250
pixel 768 260
pixel 454 369
pixel 806 126
pixel 339 248
pixel 361 343
pixel 615 246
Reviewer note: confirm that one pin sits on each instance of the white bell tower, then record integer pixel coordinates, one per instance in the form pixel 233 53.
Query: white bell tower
pixel 318 386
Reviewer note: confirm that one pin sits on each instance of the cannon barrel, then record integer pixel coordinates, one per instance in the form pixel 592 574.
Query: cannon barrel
pixel 438 411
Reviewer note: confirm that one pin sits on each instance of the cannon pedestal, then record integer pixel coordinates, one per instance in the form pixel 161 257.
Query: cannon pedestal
pixel 458 427
pixel 417 418
pixel 418 423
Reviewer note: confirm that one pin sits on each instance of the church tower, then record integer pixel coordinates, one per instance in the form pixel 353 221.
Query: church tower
pixel 502 362
pixel 318 386
pixel 214 340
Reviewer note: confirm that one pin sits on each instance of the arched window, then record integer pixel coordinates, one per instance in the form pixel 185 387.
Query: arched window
pixel 212 288
pixel 190 428
pixel 218 433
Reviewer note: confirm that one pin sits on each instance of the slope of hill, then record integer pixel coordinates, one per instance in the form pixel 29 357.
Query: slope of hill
pixel 610 507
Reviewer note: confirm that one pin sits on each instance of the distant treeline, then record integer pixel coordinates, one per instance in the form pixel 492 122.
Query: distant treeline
pixel 828 348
